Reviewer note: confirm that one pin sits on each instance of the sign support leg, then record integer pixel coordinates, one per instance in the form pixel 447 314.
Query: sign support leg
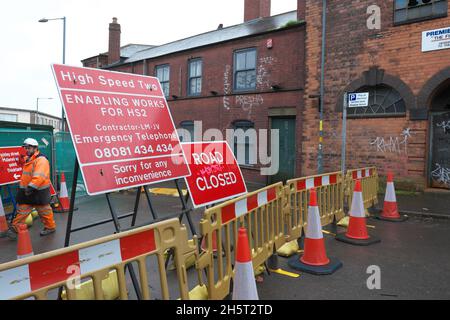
pixel 136 206
pixel 118 230
pixel 152 210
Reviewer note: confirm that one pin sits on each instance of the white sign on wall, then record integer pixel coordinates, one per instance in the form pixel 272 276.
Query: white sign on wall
pixel 356 100
pixel 437 39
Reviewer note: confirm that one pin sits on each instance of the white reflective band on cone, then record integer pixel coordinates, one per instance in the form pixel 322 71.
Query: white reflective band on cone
pixel 357 209
pixel 244 284
pixel 390 193
pixel 63 192
pixel 314 227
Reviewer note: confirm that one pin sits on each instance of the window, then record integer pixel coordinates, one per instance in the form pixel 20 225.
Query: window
pixel 163 74
pixel 186 135
pixel 244 142
pixel 383 101
pixel 8 117
pixel 245 70
pixel 195 77
pixel 416 10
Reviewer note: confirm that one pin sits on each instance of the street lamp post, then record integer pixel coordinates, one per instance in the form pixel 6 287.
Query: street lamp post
pixel 37 107
pixel 43 20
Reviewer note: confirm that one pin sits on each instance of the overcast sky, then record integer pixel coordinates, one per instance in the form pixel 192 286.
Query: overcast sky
pixel 28 47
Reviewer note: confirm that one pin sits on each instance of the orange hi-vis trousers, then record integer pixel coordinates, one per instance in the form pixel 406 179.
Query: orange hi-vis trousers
pixel 45 213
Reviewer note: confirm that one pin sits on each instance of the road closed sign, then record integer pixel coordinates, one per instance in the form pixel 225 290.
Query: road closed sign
pixel 10 168
pixel 215 173
pixel 121 127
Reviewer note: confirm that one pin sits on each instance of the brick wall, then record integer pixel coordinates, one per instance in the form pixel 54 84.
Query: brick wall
pixel 352 49
pixel 282 65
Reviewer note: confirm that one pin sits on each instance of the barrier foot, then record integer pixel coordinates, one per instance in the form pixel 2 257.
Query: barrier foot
pixel 329 268
pixel 357 242
pixel 401 219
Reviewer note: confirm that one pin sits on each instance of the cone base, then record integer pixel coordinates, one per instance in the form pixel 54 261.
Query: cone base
pixel 329 268
pixel 401 219
pixel 363 242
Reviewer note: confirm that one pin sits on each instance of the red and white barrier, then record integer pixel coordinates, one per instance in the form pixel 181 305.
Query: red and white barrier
pixel 315 182
pixel 359 174
pixel 244 284
pixel 42 273
pixel 241 207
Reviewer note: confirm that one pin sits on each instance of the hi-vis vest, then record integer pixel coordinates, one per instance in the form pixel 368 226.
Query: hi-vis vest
pixel 36 173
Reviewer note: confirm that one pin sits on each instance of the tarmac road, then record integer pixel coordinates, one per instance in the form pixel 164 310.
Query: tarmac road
pixel 414 256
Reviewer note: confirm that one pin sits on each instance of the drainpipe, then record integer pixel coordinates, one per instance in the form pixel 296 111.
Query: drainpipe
pixel 322 87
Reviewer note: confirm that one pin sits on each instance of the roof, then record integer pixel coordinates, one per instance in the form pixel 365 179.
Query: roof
pixel 249 28
pixel 126 51
pixel 12 109
pixel 130 49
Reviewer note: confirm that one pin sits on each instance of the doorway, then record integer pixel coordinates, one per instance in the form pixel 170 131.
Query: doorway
pixel 439 159
pixel 286 127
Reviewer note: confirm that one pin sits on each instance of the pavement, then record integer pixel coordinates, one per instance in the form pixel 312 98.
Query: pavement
pixel 434 203
pixel 413 256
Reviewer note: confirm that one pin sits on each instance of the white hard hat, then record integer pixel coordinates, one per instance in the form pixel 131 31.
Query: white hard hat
pixel 30 142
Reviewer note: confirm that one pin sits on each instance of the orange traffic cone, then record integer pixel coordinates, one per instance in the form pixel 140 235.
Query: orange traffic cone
pixel 63 196
pixel 3 222
pixel 390 209
pixel 357 230
pixel 314 259
pixel 244 284
pixel 24 248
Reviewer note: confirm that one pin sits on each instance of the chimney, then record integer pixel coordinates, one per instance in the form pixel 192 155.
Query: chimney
pixel 301 9
pixel 254 9
pixel 114 42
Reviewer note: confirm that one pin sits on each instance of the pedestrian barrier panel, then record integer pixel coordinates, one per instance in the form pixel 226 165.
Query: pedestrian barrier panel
pixel 330 198
pixel 369 183
pixel 36 276
pixel 261 213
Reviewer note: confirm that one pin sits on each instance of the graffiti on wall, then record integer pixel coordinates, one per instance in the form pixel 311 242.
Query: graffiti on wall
pixel 263 74
pixel 392 144
pixel 445 125
pixel 441 174
pixel 226 87
pixel 248 102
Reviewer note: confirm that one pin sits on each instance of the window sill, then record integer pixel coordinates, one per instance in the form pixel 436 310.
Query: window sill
pixel 249 167
pixel 371 116
pixel 397 24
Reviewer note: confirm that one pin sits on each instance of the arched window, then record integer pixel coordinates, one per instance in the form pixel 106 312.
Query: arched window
pixel 384 101
pixel 187 134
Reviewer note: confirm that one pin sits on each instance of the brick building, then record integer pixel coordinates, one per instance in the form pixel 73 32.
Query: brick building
pixel 244 76
pixel 373 47
pixel 406 127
